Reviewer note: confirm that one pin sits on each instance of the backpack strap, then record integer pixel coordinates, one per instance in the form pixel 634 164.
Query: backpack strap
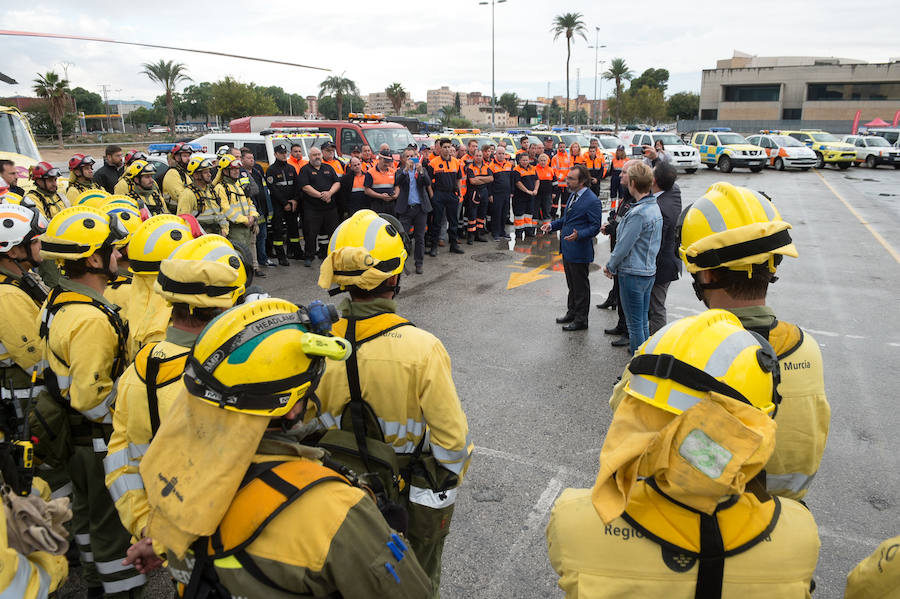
pixel 156 372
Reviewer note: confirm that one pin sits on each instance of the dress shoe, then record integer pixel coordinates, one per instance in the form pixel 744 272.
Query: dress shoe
pixel 480 236
pixel 575 326
pixel 441 243
pixel 565 319
pixel 259 273
pixel 607 305
pixel 455 249
pixel 418 269
pixel 616 331
pixel 620 342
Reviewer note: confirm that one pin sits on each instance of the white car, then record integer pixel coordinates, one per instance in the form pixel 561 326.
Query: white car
pixel 873 150
pixel 683 156
pixel 262 143
pixel 783 151
pixel 159 129
pixel 608 145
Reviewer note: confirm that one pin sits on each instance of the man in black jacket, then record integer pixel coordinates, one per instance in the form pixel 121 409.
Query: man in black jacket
pixel 281 179
pixel 668 263
pixel 412 208
pixel 108 175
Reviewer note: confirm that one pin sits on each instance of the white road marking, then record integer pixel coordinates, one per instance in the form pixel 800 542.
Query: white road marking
pixel 872 542
pixel 822 333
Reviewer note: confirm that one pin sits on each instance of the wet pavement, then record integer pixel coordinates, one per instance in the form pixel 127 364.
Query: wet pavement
pixel 536 397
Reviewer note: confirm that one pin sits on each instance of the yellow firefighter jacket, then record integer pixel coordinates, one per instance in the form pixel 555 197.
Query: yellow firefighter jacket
pixel 20 344
pixel 238 207
pixel 148 314
pixel 206 206
pixel 877 576
pixel 34 576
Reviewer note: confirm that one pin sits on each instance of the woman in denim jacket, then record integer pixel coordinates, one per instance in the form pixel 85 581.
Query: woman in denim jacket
pixel 637 242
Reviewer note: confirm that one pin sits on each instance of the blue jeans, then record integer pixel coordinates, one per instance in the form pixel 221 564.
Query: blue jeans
pixel 261 256
pixel 634 293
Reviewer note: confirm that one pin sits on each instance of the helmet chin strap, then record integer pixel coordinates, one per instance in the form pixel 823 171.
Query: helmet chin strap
pixel 107 262
pixel 699 288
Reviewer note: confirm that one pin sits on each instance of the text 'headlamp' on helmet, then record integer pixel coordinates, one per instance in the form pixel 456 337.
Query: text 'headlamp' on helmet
pixel 260 358
pixel 711 352
pixel 732 227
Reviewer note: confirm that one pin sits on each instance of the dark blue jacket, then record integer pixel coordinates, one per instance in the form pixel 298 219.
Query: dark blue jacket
pixel 585 215
pixel 401 180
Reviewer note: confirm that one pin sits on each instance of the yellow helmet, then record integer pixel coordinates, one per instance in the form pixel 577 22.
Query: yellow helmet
pixel 91 197
pixel 205 272
pixel 364 251
pixel 155 241
pixel 685 360
pixel 79 231
pixel 199 163
pixel 138 168
pixel 259 358
pixel 225 161
pixel 127 212
pixel 732 227
pixel 14 198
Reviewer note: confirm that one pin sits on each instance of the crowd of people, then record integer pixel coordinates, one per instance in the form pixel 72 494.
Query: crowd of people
pixel 263 447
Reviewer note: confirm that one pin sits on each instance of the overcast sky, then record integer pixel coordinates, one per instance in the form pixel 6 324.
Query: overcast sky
pixel 426 44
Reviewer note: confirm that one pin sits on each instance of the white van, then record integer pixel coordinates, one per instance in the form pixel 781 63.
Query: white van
pixel 262 144
pixel 683 156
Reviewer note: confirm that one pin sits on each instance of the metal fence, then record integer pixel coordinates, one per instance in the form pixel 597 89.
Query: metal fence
pixel 749 127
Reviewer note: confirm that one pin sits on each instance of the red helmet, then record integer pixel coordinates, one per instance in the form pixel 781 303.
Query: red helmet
pixel 133 155
pixel 43 170
pixel 181 147
pixel 79 160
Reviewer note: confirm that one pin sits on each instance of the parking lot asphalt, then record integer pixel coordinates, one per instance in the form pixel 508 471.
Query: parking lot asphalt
pixel 536 397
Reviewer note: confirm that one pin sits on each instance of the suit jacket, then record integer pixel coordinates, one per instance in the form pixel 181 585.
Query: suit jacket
pixel 584 215
pixel 668 262
pixel 401 180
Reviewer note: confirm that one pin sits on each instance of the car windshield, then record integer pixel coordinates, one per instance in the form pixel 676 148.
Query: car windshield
pixel 610 143
pixel 396 138
pixel 824 137
pixel 727 139
pixel 786 141
pixel 14 137
pixel 668 140
pixel 482 141
pixel 578 138
pixel 877 142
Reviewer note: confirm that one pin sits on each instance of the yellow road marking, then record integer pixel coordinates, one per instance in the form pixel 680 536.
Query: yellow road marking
pixel 517 279
pixel 894 253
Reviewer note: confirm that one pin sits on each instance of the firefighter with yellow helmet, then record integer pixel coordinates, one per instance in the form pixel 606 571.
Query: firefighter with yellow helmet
pixel 49 201
pixel 140 185
pixel 199 197
pixel 233 440
pixel 679 508
pixel 81 176
pixel 239 209
pixel 148 313
pixel 177 178
pixel 732 241
pixel 122 185
pixel 201 279
pixel 403 378
pixel 127 211
pixel 84 345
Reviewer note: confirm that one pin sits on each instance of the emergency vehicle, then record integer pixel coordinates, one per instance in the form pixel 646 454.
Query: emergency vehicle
pixel 357 130
pixel 682 155
pixel 828 148
pixel 512 138
pixel 17 144
pixel 728 150
pixel 263 143
pixel 783 151
pixel 873 150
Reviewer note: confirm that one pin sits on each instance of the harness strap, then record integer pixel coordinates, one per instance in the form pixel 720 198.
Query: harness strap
pixel 152 399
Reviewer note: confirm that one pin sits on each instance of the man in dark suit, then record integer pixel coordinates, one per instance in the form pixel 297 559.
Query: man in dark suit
pixel 413 202
pixel 668 262
pixel 578 226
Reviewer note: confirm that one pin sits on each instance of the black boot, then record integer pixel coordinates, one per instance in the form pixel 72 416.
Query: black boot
pixel 470 238
pixel 280 255
pixel 455 249
pixel 480 236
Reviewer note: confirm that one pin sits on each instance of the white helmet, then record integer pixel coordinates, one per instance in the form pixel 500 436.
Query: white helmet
pixel 19 225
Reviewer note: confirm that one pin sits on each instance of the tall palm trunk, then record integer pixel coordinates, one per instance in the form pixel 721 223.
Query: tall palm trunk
pixel 618 101
pixel 339 100
pixel 170 110
pixel 568 58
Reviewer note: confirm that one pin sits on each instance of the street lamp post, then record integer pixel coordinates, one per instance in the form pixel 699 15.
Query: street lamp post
pixel 601 93
pixel 493 92
pixel 596 48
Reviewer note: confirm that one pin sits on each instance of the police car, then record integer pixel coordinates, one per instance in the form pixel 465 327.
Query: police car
pixel 683 156
pixel 728 150
pixel 873 150
pixel 784 151
pixel 828 148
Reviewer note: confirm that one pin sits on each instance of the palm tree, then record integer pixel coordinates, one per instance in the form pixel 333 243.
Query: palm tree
pixel 55 90
pixel 168 74
pixel 568 24
pixel 338 86
pixel 396 94
pixel 618 71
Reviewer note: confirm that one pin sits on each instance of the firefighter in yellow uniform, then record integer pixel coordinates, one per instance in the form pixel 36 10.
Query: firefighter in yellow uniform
pixel 203 278
pixel 877 576
pixel 148 313
pixel 199 198
pixel 731 242
pixel 118 291
pixel 239 209
pixel 50 202
pixel 81 177
pixel 139 184
pixel 242 507
pixel 402 372
pixel 121 187
pixel 84 345
pixel 679 508
pixel 177 178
